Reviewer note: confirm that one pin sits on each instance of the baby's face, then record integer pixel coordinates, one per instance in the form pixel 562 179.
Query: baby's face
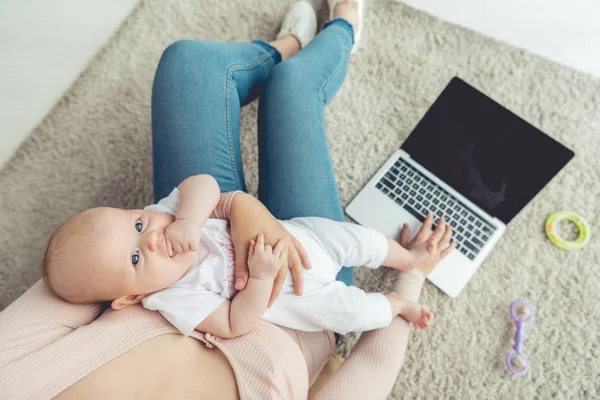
pixel 131 252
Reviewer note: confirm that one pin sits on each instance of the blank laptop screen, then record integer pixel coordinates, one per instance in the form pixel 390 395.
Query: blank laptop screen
pixel 491 156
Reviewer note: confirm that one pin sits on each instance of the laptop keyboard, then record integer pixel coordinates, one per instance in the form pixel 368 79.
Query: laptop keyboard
pixel 419 195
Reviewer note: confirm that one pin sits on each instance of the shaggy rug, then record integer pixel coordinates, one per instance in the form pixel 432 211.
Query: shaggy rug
pixel 94 149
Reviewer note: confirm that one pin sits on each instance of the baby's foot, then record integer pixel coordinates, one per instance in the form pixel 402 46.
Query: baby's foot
pixel 415 313
pixel 426 317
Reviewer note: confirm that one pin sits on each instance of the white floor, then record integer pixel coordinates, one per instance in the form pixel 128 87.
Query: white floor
pixel 45 45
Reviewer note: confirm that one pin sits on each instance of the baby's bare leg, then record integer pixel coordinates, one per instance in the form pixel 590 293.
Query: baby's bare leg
pixel 418 315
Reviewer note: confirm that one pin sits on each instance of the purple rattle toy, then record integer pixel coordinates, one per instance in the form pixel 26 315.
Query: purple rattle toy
pixel 522 313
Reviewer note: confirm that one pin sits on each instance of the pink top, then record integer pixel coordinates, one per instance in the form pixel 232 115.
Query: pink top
pixel 40 332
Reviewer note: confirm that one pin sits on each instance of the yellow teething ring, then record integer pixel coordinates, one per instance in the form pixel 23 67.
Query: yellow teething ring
pixel 584 230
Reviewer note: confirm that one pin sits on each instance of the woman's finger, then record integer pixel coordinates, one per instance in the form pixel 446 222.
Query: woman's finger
pixel 405 235
pixel 277 285
pixel 295 264
pixel 440 229
pixel 447 251
pixel 446 238
pixel 425 230
pixel 241 269
pixel 304 260
pixel 278 249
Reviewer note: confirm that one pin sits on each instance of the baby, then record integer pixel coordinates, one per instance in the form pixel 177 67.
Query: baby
pixel 174 258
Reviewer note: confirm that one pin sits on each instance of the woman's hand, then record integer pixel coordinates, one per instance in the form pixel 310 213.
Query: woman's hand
pixel 444 247
pixel 248 217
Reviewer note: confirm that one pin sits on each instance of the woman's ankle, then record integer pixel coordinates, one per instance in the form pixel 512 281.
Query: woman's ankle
pixel 347 10
pixel 298 28
pixel 287 46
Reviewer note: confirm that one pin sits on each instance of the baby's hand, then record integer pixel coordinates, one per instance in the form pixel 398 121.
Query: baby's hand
pixel 182 236
pixel 263 261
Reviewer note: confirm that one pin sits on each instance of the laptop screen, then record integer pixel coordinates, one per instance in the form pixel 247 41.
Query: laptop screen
pixel 488 154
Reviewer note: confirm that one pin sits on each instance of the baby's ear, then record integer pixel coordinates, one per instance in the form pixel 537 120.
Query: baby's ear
pixel 125 301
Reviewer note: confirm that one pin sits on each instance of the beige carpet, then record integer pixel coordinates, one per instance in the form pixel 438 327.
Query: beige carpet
pixel 94 149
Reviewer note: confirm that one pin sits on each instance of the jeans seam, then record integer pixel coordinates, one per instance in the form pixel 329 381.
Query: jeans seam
pixel 231 69
pixel 339 64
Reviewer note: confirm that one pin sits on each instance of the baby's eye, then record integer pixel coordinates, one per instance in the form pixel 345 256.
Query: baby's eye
pixel 138 225
pixel 135 258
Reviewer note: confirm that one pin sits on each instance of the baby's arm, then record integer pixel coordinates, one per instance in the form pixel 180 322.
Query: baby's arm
pixel 403 259
pixel 238 317
pixel 198 197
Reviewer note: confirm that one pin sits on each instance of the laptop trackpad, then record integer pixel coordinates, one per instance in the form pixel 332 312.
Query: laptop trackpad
pixel 374 209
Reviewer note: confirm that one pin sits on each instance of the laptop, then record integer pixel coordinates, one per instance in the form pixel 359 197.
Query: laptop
pixel 470 160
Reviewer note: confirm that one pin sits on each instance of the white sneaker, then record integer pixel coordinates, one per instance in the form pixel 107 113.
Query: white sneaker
pixel 360 7
pixel 300 21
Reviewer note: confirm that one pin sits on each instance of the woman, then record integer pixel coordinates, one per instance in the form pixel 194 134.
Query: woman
pixel 50 348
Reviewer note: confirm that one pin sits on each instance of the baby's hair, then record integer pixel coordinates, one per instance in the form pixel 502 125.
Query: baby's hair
pixel 57 252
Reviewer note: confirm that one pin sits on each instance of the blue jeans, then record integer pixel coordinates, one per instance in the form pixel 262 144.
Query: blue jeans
pixel 198 90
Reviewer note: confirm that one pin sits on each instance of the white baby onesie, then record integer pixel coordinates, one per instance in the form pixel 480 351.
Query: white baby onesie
pixel 326 304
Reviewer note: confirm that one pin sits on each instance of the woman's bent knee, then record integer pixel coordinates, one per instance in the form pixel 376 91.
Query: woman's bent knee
pixel 188 63
pixel 291 77
pixel 184 51
pixel 288 71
